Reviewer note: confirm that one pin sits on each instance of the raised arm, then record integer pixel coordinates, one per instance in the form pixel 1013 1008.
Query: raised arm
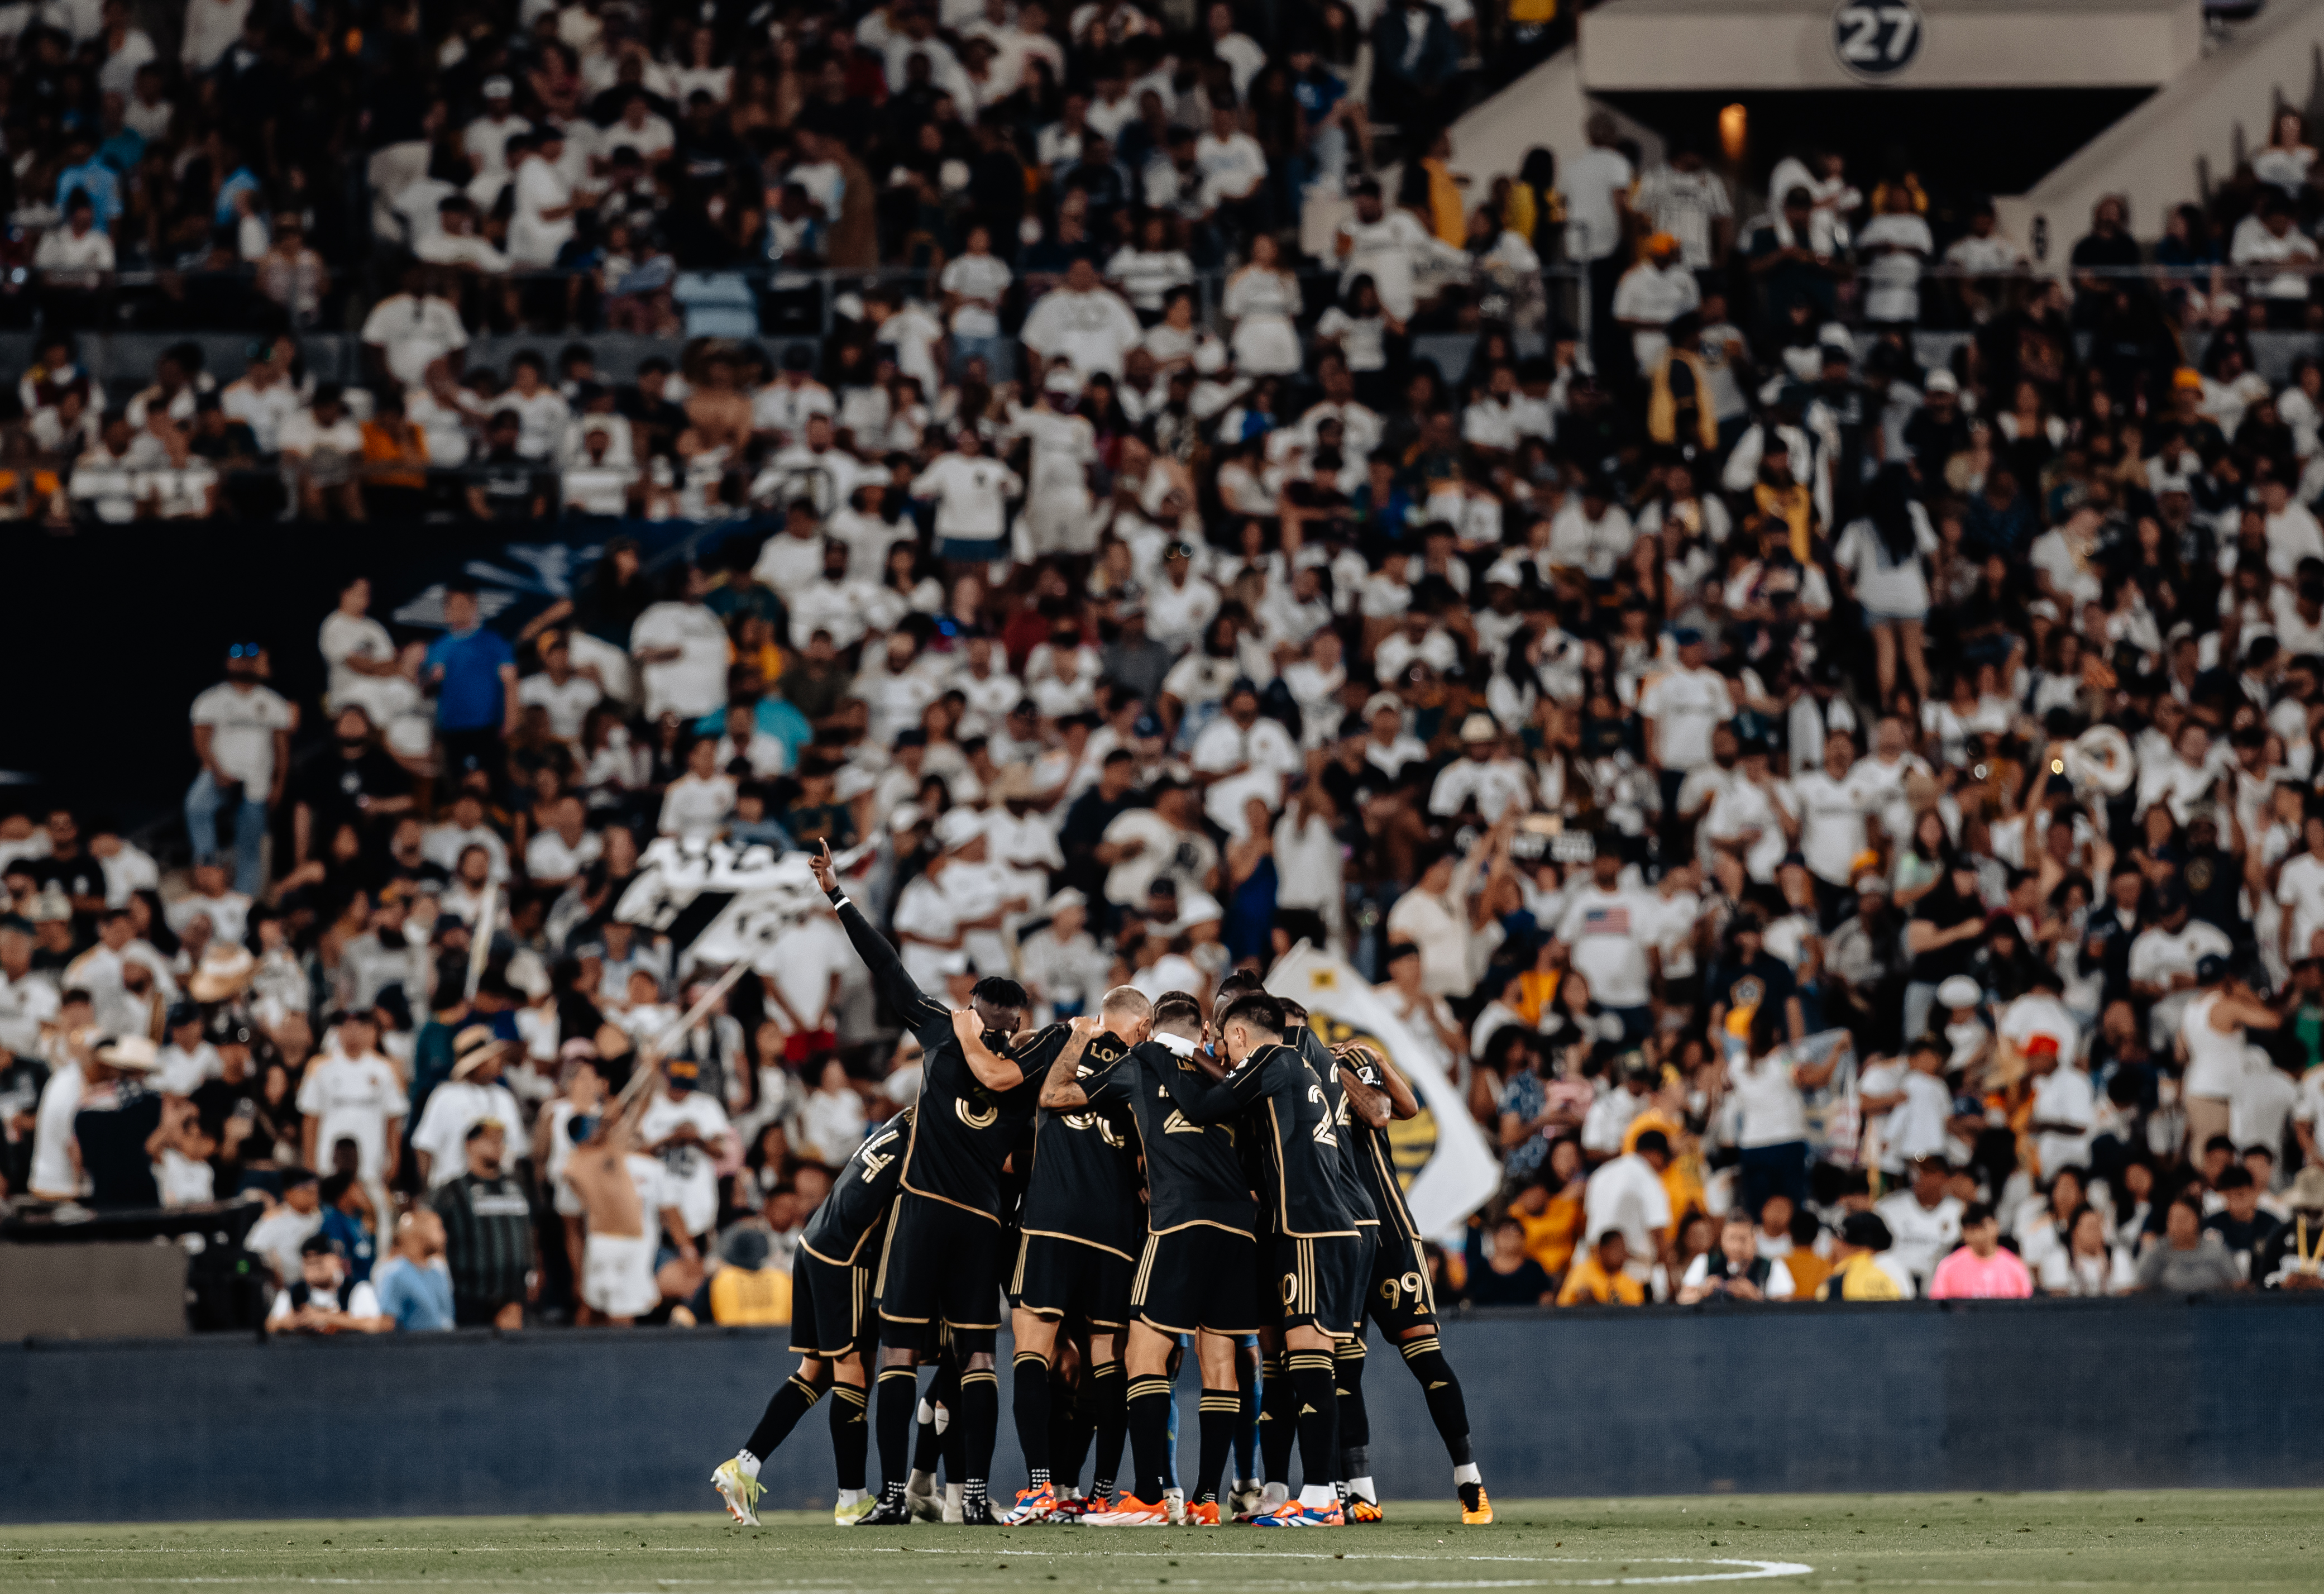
pixel 919 1011
pixel 992 1070
pixel 1061 1088
pixel 1370 1105
pixel 1402 1102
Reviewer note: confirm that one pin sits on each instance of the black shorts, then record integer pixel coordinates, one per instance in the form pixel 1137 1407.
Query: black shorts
pixel 832 1309
pixel 1402 1295
pixel 1321 1282
pixel 1060 1278
pixel 1196 1277
pixel 942 1264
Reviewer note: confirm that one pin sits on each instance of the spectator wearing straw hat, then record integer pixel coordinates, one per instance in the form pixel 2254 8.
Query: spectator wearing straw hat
pixel 472 1095
pixel 120 1128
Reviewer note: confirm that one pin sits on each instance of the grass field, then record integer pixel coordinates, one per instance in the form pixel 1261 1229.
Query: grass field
pixel 2185 1539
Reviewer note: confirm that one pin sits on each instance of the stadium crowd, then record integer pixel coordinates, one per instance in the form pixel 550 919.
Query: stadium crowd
pixel 1843 818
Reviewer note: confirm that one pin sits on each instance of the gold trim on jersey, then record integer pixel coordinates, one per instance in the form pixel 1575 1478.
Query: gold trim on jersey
pixel 1249 1233
pixel 1051 1233
pixel 929 1195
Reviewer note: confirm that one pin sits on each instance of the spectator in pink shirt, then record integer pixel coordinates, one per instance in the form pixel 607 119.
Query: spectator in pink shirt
pixel 1980 1269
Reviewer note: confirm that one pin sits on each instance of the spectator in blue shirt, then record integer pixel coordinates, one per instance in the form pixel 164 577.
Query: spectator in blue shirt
pixel 348 1222
pixel 473 673
pixel 91 176
pixel 413 1284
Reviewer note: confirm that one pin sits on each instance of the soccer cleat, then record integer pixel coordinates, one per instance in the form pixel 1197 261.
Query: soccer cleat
pixel 887 1514
pixel 1292 1513
pixel 1477 1512
pixel 1129 1511
pixel 1243 1500
pixel 1031 1505
pixel 1074 1507
pixel 1174 1506
pixel 924 1500
pixel 978 1513
pixel 1203 1513
pixel 739 1490
pixel 1360 1509
pixel 849 1513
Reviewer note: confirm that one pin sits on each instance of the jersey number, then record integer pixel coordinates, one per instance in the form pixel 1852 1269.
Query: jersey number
pixel 1412 1285
pixel 1327 1129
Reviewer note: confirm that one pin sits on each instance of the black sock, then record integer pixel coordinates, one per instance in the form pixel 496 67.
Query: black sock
pixel 1446 1409
pixel 1355 1423
pixel 1246 1432
pixel 850 1434
pixel 793 1401
pixel 1110 1391
pixel 979 1418
pixel 1150 1434
pixel 1029 1400
pixel 1318 1417
pixel 900 1399
pixel 1278 1420
pixel 1221 1409
pixel 936 1440
pixel 1071 1426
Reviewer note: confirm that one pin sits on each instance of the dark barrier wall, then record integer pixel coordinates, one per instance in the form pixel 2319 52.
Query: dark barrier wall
pixel 2006 1395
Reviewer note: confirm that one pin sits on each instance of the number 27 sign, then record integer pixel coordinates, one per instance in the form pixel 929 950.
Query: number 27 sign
pixel 1876 40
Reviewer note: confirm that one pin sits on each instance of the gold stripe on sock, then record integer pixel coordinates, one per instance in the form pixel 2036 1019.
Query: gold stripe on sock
pixel 1035 1357
pixel 888 1373
pixel 982 1376
pixel 850 1394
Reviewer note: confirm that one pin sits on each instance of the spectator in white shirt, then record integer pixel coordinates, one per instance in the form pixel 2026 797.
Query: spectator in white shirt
pixel 972 492
pixel 322 454
pixel 1082 322
pixel 1653 294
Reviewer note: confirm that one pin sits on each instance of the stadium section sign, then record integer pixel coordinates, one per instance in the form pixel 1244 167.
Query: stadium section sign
pixel 1874 39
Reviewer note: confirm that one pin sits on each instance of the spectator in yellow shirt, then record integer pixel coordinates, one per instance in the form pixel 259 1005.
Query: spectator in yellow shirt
pixel 1550 1209
pixel 1598 1276
pixel 1857 1274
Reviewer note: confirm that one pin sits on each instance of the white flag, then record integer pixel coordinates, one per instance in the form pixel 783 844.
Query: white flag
pixel 719 903
pixel 1441 1160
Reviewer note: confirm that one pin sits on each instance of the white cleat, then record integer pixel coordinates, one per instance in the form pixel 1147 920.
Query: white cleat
pixel 739 1491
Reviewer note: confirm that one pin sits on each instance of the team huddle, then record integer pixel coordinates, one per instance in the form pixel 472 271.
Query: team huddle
pixel 1142 1182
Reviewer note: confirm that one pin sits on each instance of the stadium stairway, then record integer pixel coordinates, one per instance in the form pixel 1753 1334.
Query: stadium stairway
pixel 2186 138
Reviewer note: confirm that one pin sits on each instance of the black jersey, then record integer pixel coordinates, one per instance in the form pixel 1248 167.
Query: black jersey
pixel 1308 1185
pixel 846 1228
pixel 1376 1160
pixel 1195 1172
pixel 1083 1185
pixel 964 1130
pixel 1354 1189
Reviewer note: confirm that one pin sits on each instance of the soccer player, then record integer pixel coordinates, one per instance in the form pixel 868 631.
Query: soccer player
pixel 1401 1299
pixel 1078 1232
pixel 1197 1269
pixel 1278 1427
pixel 833 1323
pixel 941 1265
pixel 1321 1224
